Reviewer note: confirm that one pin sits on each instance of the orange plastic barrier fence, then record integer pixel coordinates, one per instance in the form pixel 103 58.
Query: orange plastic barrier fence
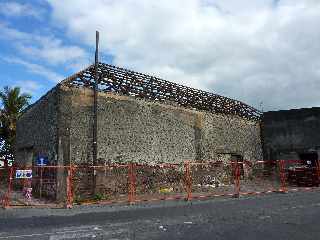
pixel 34 186
pixel 300 175
pixel 64 186
pixel 159 182
pixel 3 184
pixel 103 184
pixel 212 179
pixel 260 177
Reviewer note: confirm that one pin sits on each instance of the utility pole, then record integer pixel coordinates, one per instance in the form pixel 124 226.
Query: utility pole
pixel 95 102
pixel 261 106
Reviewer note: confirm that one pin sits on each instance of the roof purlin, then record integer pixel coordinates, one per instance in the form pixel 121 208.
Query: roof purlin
pixel 127 82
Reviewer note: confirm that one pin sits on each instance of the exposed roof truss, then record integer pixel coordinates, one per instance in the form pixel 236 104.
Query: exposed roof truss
pixel 126 82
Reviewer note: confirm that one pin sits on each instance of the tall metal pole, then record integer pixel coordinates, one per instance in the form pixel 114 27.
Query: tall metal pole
pixel 95 90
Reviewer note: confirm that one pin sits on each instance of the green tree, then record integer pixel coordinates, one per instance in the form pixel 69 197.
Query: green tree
pixel 13 102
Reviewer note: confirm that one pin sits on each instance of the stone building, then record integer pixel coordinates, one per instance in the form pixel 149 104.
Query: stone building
pixel 139 118
pixel 292 134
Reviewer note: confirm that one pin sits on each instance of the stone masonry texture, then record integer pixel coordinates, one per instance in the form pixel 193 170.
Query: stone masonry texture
pixel 131 130
pixel 37 131
pixel 60 126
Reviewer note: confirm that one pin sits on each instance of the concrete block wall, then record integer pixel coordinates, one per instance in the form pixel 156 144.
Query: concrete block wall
pixel 287 133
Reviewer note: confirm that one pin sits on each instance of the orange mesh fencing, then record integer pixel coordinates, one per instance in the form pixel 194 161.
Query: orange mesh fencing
pixel 39 189
pixel 64 186
pixel 211 179
pixel 260 177
pixel 159 182
pixel 300 175
pixel 3 185
pixel 100 184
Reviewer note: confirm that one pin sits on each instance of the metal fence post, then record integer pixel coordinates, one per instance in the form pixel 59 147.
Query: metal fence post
pixel 7 199
pixel 132 182
pixel 236 179
pixel 318 171
pixel 188 181
pixel 41 180
pixel 283 187
pixel 69 187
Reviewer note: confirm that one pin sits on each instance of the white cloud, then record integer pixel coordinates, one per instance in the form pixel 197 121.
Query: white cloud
pixel 28 86
pixel 252 50
pixel 36 69
pixel 48 48
pixel 53 51
pixel 13 34
pixel 15 9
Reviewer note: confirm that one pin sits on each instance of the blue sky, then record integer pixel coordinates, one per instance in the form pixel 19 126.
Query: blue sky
pixel 27 30
pixel 30 32
pixel 263 52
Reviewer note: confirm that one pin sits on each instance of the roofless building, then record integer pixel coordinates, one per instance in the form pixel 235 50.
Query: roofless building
pixel 139 118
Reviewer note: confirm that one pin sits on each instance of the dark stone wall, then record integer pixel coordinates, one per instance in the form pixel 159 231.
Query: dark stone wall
pixel 60 126
pixel 130 130
pixel 65 116
pixel 143 131
pixel 80 112
pixel 223 136
pixel 287 133
pixel 37 130
pixel 44 129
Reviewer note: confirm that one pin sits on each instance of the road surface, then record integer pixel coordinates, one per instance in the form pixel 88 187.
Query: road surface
pixel 274 216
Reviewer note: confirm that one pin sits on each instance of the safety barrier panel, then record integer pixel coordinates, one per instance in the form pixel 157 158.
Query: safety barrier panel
pixel 300 175
pixel 211 179
pixel 159 182
pixel 3 184
pixel 260 177
pixel 35 186
pixel 64 186
pixel 103 184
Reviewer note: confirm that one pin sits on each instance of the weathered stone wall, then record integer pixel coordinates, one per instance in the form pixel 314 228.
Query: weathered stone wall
pixel 44 129
pixel 80 112
pixel 224 136
pixel 287 133
pixel 59 125
pixel 130 130
pixel 143 131
pixel 36 130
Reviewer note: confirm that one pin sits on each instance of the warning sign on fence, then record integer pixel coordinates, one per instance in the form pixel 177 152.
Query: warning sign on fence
pixel 24 174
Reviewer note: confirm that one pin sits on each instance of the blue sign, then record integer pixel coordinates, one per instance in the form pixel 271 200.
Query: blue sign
pixel 42 161
pixel 24 173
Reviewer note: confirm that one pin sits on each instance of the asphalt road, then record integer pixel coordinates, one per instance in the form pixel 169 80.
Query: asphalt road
pixel 274 216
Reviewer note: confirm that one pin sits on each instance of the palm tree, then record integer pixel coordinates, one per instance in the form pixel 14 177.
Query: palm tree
pixel 13 104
